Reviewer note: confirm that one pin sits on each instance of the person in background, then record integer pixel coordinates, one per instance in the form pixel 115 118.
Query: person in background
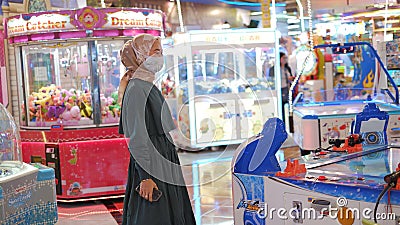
pixel 146 122
pixel 286 79
pixel 338 79
pixel 341 92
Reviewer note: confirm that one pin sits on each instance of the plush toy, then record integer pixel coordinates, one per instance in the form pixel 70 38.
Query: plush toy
pixel 43 100
pixel 85 109
pixel 66 116
pixel 72 96
pixel 108 117
pixel 39 116
pixel 85 104
pixel 55 111
pixel 68 106
pixel 65 95
pixel 47 101
pixel 70 116
pixel 75 113
pixel 45 95
pixel 32 108
pixel 114 107
pixel 168 87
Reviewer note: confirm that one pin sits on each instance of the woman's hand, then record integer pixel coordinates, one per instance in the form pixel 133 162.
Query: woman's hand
pixel 146 189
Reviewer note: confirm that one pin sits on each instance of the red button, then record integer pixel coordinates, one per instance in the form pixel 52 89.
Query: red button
pixel 322 178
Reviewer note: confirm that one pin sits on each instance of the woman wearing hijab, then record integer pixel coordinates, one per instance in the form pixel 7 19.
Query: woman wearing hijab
pixel 146 121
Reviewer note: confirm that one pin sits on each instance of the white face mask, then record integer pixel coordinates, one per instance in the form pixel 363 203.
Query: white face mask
pixel 154 63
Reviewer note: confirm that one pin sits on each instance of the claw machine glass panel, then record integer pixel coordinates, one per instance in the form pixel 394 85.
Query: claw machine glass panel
pixel 57 84
pixel 222 93
pixel 109 70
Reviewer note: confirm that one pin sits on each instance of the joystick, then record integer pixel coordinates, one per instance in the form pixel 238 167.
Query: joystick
pixel 352 143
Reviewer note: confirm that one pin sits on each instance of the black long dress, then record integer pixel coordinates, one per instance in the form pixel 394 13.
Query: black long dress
pixel 146 121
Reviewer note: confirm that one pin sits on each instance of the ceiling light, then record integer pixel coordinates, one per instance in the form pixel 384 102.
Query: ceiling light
pixel 293 21
pixel 249 3
pixel 255 13
pixel 295 26
pixel 215 12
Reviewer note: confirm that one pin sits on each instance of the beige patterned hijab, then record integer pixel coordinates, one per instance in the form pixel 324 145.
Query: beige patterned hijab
pixel 133 54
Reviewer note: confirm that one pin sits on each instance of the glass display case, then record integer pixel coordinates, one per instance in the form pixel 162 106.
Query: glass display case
pixel 216 86
pixel 10 144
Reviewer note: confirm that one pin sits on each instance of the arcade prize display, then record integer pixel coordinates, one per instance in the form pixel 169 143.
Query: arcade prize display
pixel 27 191
pixel 216 86
pixel 315 122
pixel 392 59
pixel 68 65
pixel 355 183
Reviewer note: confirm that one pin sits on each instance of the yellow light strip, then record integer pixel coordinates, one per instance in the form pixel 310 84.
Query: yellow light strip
pixel 377 13
pixel 388 29
pixel 44 137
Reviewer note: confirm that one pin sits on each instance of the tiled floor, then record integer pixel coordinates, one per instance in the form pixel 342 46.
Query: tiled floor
pixel 208 176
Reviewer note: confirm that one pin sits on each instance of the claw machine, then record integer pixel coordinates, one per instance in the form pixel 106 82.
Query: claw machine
pixel 68 67
pixel 215 83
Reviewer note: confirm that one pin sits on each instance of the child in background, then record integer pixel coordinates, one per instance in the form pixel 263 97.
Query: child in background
pixel 341 93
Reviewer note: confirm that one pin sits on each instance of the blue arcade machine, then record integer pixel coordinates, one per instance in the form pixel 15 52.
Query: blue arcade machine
pixel 337 187
pixel 316 121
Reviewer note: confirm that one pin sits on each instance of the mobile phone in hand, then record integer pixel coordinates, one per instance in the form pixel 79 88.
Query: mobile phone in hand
pixel 156 193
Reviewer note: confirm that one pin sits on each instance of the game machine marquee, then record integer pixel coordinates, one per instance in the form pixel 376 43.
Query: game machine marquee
pixel 68 65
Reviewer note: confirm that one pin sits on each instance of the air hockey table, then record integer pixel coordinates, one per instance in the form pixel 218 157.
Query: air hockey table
pixel 316 123
pixel 335 188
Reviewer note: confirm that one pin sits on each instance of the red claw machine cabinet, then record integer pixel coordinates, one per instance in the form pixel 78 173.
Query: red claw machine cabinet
pixel 68 67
